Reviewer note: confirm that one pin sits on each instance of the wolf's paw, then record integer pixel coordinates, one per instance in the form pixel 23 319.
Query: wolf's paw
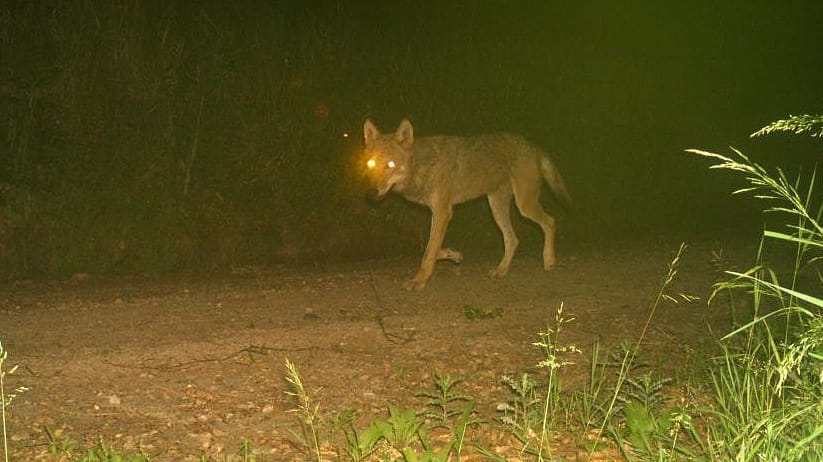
pixel 498 273
pixel 450 254
pixel 414 285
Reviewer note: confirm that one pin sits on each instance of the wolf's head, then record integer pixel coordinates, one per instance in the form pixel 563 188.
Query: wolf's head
pixel 387 157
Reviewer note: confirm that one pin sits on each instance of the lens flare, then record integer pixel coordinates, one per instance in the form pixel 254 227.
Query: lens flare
pixel 370 163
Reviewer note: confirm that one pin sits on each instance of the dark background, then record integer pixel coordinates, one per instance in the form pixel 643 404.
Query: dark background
pixel 145 136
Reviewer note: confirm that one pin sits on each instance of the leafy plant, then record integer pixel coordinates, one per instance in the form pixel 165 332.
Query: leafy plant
pixel 401 428
pixel 245 451
pixel 474 312
pixel 521 414
pixel 63 447
pixel 646 390
pixel 459 431
pixel 360 444
pixel 430 454
pixel 647 424
pixel 443 401
pixel 103 453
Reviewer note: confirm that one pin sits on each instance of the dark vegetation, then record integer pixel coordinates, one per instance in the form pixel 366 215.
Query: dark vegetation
pixel 146 136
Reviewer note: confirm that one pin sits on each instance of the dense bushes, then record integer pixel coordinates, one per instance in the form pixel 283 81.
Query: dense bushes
pixel 143 137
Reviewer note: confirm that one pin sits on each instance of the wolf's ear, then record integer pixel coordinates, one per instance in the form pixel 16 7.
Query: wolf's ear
pixel 404 134
pixel 370 131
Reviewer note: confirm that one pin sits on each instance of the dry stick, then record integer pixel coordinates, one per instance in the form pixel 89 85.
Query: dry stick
pixel 393 338
pixel 193 148
pixel 251 350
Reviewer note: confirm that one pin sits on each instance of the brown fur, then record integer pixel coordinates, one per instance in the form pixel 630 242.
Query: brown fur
pixel 441 171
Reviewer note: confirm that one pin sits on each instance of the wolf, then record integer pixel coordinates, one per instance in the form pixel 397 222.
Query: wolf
pixel 442 171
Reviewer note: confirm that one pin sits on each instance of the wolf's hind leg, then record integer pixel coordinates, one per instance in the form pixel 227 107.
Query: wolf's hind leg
pixel 450 254
pixel 527 198
pixel 500 203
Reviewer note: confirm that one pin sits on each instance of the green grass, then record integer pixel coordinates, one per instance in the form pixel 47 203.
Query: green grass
pixel 768 381
pixel 99 452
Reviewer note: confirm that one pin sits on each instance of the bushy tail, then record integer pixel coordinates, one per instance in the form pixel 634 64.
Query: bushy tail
pixel 558 187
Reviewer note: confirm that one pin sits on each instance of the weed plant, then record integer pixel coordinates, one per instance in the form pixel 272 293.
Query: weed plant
pixel 306 410
pixel 6 399
pixel 67 449
pixel 624 401
pixel 402 435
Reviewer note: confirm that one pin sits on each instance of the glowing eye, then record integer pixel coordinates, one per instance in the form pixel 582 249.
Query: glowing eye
pixel 370 163
pixel 390 164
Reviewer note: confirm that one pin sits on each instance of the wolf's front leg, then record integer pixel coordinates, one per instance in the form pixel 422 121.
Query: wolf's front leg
pixel 440 221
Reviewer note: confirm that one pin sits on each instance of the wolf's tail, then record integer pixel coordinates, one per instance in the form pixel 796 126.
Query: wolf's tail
pixel 558 187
